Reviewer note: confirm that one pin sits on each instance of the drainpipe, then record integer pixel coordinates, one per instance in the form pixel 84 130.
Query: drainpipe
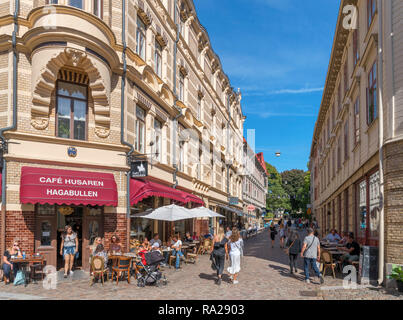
pixel 381 252
pixel 122 108
pixel 4 143
pixel 175 122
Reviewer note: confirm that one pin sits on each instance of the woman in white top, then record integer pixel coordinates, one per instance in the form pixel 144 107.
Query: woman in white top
pixel 68 249
pixel 236 251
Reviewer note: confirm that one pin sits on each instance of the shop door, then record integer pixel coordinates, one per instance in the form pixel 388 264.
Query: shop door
pixel 46 238
pixel 93 227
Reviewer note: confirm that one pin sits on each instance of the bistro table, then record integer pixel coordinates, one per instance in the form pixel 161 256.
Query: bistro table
pixel 24 264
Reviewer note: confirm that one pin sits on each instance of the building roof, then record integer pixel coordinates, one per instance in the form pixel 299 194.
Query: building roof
pixel 260 159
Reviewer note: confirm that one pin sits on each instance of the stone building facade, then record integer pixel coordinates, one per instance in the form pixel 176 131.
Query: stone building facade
pixel 358 135
pixel 71 56
pixel 255 186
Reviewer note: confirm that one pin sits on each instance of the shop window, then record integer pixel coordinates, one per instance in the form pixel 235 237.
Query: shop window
pixel 76 3
pixel 93 231
pixel 140 130
pixel 371 96
pixel 98 8
pixel 141 39
pixel 45 210
pixel 158 59
pixel 374 199
pixel 71 110
pixel 362 208
pixel 46 229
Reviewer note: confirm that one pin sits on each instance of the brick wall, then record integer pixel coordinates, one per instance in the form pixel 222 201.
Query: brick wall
pixel 394 202
pixel 21 225
pixel 115 223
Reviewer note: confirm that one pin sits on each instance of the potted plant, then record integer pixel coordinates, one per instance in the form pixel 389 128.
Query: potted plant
pixel 397 274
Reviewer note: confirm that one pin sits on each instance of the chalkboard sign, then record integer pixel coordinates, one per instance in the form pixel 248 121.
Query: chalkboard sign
pixel 368 265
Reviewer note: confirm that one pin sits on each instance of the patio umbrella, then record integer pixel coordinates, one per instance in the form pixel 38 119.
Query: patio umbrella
pixel 203 212
pixel 167 213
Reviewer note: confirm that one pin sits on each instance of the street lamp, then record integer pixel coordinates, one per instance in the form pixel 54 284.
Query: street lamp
pixel 278 153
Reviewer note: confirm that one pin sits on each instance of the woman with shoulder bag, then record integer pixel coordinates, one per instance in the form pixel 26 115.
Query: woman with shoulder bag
pixel 293 249
pixel 236 252
pixel 218 253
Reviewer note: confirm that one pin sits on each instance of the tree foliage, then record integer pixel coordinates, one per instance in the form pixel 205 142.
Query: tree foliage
pixel 277 198
pixel 296 184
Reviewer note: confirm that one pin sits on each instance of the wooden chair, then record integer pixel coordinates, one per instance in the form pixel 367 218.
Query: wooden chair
pixel 205 247
pixel 123 266
pixel 98 268
pixel 36 268
pixel 327 261
pixel 191 257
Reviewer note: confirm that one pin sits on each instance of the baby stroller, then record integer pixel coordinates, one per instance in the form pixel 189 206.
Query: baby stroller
pixel 149 273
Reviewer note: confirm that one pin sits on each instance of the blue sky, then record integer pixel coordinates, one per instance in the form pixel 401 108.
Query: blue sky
pixel 277 52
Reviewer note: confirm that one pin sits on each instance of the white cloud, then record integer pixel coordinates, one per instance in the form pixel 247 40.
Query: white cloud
pixel 295 91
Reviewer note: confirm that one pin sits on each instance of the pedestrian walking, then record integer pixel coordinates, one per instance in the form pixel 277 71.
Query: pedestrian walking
pixel 311 253
pixel 219 252
pixel 293 245
pixel 68 249
pixel 282 235
pixel 235 246
pixel 273 233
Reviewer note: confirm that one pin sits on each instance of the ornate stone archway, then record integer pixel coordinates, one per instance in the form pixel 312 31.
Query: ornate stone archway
pixel 45 85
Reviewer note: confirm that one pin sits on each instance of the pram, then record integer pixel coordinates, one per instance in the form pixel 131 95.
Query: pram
pixel 149 272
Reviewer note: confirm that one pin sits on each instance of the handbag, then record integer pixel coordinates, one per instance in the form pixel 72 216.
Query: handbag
pixel 19 278
pixel 287 250
pixel 213 265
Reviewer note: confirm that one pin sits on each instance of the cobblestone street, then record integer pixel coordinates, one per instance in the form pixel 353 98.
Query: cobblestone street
pixel 265 275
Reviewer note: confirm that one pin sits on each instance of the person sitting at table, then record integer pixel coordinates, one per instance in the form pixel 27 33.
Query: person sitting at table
pixel 146 244
pixel 352 249
pixel 176 251
pixel 195 237
pixel 100 252
pixel 188 238
pixel 97 241
pixel 8 266
pixel 344 239
pixel 167 251
pixel 115 246
pixel 333 236
pixel 156 239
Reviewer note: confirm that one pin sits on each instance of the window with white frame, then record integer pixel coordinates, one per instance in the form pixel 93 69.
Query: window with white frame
pixel 98 8
pixel 371 96
pixel 77 3
pixel 181 86
pixel 141 38
pixel 158 138
pixel 374 199
pixel 357 120
pixel 140 130
pixel 158 59
pixel 199 107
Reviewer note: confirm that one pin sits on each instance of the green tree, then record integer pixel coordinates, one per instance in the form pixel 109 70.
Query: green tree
pixel 292 182
pixel 303 194
pixel 277 198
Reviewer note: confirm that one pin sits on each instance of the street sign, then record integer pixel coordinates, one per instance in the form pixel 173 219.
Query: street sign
pixel 233 200
pixel 139 169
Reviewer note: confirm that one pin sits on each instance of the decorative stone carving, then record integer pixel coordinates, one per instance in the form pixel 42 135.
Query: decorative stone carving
pixel 45 85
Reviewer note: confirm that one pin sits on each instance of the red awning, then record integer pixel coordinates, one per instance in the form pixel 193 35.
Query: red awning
pixel 140 190
pixel 52 186
pixel 192 198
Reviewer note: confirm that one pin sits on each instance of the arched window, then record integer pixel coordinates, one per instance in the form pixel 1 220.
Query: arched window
pixel 72 105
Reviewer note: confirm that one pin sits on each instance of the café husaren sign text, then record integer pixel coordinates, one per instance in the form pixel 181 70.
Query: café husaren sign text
pixel 67 183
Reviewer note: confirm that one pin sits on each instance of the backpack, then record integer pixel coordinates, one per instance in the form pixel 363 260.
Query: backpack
pixel 19 278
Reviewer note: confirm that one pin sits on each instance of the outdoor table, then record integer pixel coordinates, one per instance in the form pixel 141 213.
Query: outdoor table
pixel 24 263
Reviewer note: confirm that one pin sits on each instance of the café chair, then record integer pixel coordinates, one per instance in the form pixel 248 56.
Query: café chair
pixel 326 259
pixel 123 266
pixel 205 247
pixel 98 269
pixel 37 269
